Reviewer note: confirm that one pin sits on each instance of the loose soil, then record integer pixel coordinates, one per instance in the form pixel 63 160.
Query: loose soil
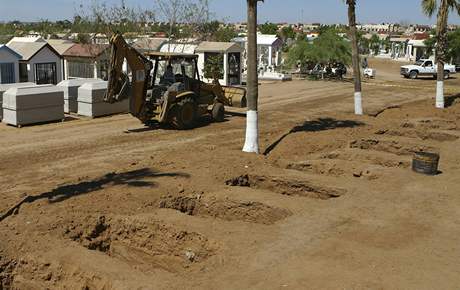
pixel 333 204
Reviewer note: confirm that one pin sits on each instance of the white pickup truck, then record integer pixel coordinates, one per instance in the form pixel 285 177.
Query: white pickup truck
pixel 425 67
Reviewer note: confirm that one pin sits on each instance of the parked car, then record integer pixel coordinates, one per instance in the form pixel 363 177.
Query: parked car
pixel 457 67
pixel 426 67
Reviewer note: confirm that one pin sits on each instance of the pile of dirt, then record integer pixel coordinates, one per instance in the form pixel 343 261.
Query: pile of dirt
pixel 229 210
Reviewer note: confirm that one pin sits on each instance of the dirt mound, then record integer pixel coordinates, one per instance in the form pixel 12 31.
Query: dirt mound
pixel 229 210
pixel 390 146
pixel 295 187
pixel 164 244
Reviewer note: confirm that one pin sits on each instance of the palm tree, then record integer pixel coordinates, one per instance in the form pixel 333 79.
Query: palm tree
pixel 429 7
pixel 251 144
pixel 355 55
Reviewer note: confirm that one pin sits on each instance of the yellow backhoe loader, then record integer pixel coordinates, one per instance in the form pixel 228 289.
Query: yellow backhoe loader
pixel 166 87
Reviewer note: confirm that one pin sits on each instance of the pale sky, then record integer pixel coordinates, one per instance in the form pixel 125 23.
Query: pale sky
pixel 308 11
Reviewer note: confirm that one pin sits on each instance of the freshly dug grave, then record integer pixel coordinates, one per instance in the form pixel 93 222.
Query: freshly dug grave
pixel 295 187
pixel 170 247
pixel 390 146
pixel 383 159
pixel 420 134
pixel 229 210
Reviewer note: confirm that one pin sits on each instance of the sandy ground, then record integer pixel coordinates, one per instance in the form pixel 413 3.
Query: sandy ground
pixel 333 204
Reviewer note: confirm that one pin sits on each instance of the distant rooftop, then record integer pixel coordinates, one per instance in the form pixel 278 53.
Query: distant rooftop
pixel 149 44
pixel 86 50
pixel 27 49
pixel 209 46
pixel 60 45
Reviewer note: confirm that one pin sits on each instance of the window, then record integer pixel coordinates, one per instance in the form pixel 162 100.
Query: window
pixel 81 69
pixel 103 70
pixel 45 73
pixel 23 73
pixel 213 65
pixel 7 73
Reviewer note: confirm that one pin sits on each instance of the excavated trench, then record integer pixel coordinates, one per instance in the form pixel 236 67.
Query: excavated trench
pixel 229 210
pixel 6 274
pixel 288 187
pixel 164 244
pixel 367 158
pixel 295 187
pixel 319 168
pixel 390 146
pixel 419 134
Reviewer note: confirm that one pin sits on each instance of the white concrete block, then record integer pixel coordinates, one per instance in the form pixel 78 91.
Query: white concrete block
pixel 91 101
pixel 4 88
pixel 70 88
pixel 30 105
pixel 33 116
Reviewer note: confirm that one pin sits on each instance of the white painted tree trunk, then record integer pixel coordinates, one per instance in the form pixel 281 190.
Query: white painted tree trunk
pixel 440 95
pixel 358 103
pixel 251 144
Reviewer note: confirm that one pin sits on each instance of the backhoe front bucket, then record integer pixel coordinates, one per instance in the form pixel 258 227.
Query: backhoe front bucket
pixel 236 96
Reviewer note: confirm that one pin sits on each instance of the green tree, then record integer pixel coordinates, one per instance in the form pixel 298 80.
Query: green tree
pixel 374 44
pixel 452 45
pixel 443 7
pixel 453 50
pixel 214 66
pixel 287 33
pixel 300 54
pixel 224 34
pixel 329 47
pixel 268 28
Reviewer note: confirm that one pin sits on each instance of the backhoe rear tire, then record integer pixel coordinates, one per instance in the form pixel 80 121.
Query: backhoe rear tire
pixel 218 112
pixel 184 114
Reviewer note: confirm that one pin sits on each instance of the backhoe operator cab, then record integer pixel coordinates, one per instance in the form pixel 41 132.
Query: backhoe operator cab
pixel 176 86
pixel 166 87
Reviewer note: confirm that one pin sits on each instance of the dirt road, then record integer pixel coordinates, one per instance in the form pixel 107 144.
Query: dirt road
pixel 110 204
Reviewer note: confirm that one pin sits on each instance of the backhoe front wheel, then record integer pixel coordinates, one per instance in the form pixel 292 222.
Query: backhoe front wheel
pixel 218 112
pixel 184 114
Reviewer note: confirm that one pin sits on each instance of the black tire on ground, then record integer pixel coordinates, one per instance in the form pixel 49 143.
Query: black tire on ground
pixel 184 114
pixel 218 112
pixel 413 75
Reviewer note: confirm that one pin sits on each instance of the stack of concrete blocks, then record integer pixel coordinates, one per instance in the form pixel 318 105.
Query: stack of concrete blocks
pixel 31 105
pixel 91 101
pixel 4 88
pixel 70 88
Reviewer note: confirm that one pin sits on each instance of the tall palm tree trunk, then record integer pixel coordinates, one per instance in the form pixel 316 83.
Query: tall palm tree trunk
pixel 355 56
pixel 441 35
pixel 252 135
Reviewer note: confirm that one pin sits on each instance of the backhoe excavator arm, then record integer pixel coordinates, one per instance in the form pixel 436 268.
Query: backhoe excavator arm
pixel 118 82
